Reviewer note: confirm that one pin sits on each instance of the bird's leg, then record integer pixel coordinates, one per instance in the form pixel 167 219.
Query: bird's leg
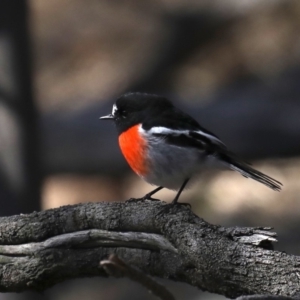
pixel 179 193
pixel 166 208
pixel 147 196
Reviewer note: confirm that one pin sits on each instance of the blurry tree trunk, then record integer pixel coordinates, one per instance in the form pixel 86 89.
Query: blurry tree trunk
pixel 19 168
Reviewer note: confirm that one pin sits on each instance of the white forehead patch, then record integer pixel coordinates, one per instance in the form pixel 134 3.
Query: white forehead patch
pixel 114 109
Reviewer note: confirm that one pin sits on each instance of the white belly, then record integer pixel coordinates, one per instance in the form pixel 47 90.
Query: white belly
pixel 172 165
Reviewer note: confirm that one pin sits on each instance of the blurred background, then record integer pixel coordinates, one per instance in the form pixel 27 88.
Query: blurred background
pixel 234 65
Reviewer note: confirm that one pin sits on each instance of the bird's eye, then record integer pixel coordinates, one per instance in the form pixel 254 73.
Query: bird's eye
pixel 124 113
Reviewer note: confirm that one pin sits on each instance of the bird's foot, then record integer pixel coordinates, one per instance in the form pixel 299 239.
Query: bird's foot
pixel 134 200
pixel 170 206
pixel 184 204
pixel 146 197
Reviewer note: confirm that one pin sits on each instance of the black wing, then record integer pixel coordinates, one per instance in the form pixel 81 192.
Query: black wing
pixel 182 130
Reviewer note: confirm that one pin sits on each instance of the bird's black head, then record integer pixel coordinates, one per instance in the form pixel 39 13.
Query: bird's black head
pixel 134 108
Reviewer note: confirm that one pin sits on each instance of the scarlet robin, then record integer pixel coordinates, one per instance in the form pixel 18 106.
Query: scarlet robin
pixel 167 147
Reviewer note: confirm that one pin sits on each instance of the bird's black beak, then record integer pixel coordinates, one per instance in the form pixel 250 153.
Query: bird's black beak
pixel 108 117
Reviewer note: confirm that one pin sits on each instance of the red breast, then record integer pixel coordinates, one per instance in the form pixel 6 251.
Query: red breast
pixel 134 147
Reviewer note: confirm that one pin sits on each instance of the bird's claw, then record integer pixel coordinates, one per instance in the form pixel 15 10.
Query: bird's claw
pixel 134 200
pixel 185 204
pixel 146 197
pixel 166 208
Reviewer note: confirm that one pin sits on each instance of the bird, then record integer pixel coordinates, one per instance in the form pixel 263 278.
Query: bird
pixel 168 148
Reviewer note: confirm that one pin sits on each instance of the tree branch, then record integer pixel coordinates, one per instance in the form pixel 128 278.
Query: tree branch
pixel 41 249
pixel 116 267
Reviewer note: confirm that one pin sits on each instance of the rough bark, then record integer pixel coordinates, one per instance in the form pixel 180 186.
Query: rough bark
pixel 41 249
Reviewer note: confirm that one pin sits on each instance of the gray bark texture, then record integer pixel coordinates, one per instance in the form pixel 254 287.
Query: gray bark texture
pixel 41 249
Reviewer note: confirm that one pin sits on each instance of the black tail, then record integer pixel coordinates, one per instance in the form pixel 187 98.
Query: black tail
pixel 249 172
pixel 256 175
